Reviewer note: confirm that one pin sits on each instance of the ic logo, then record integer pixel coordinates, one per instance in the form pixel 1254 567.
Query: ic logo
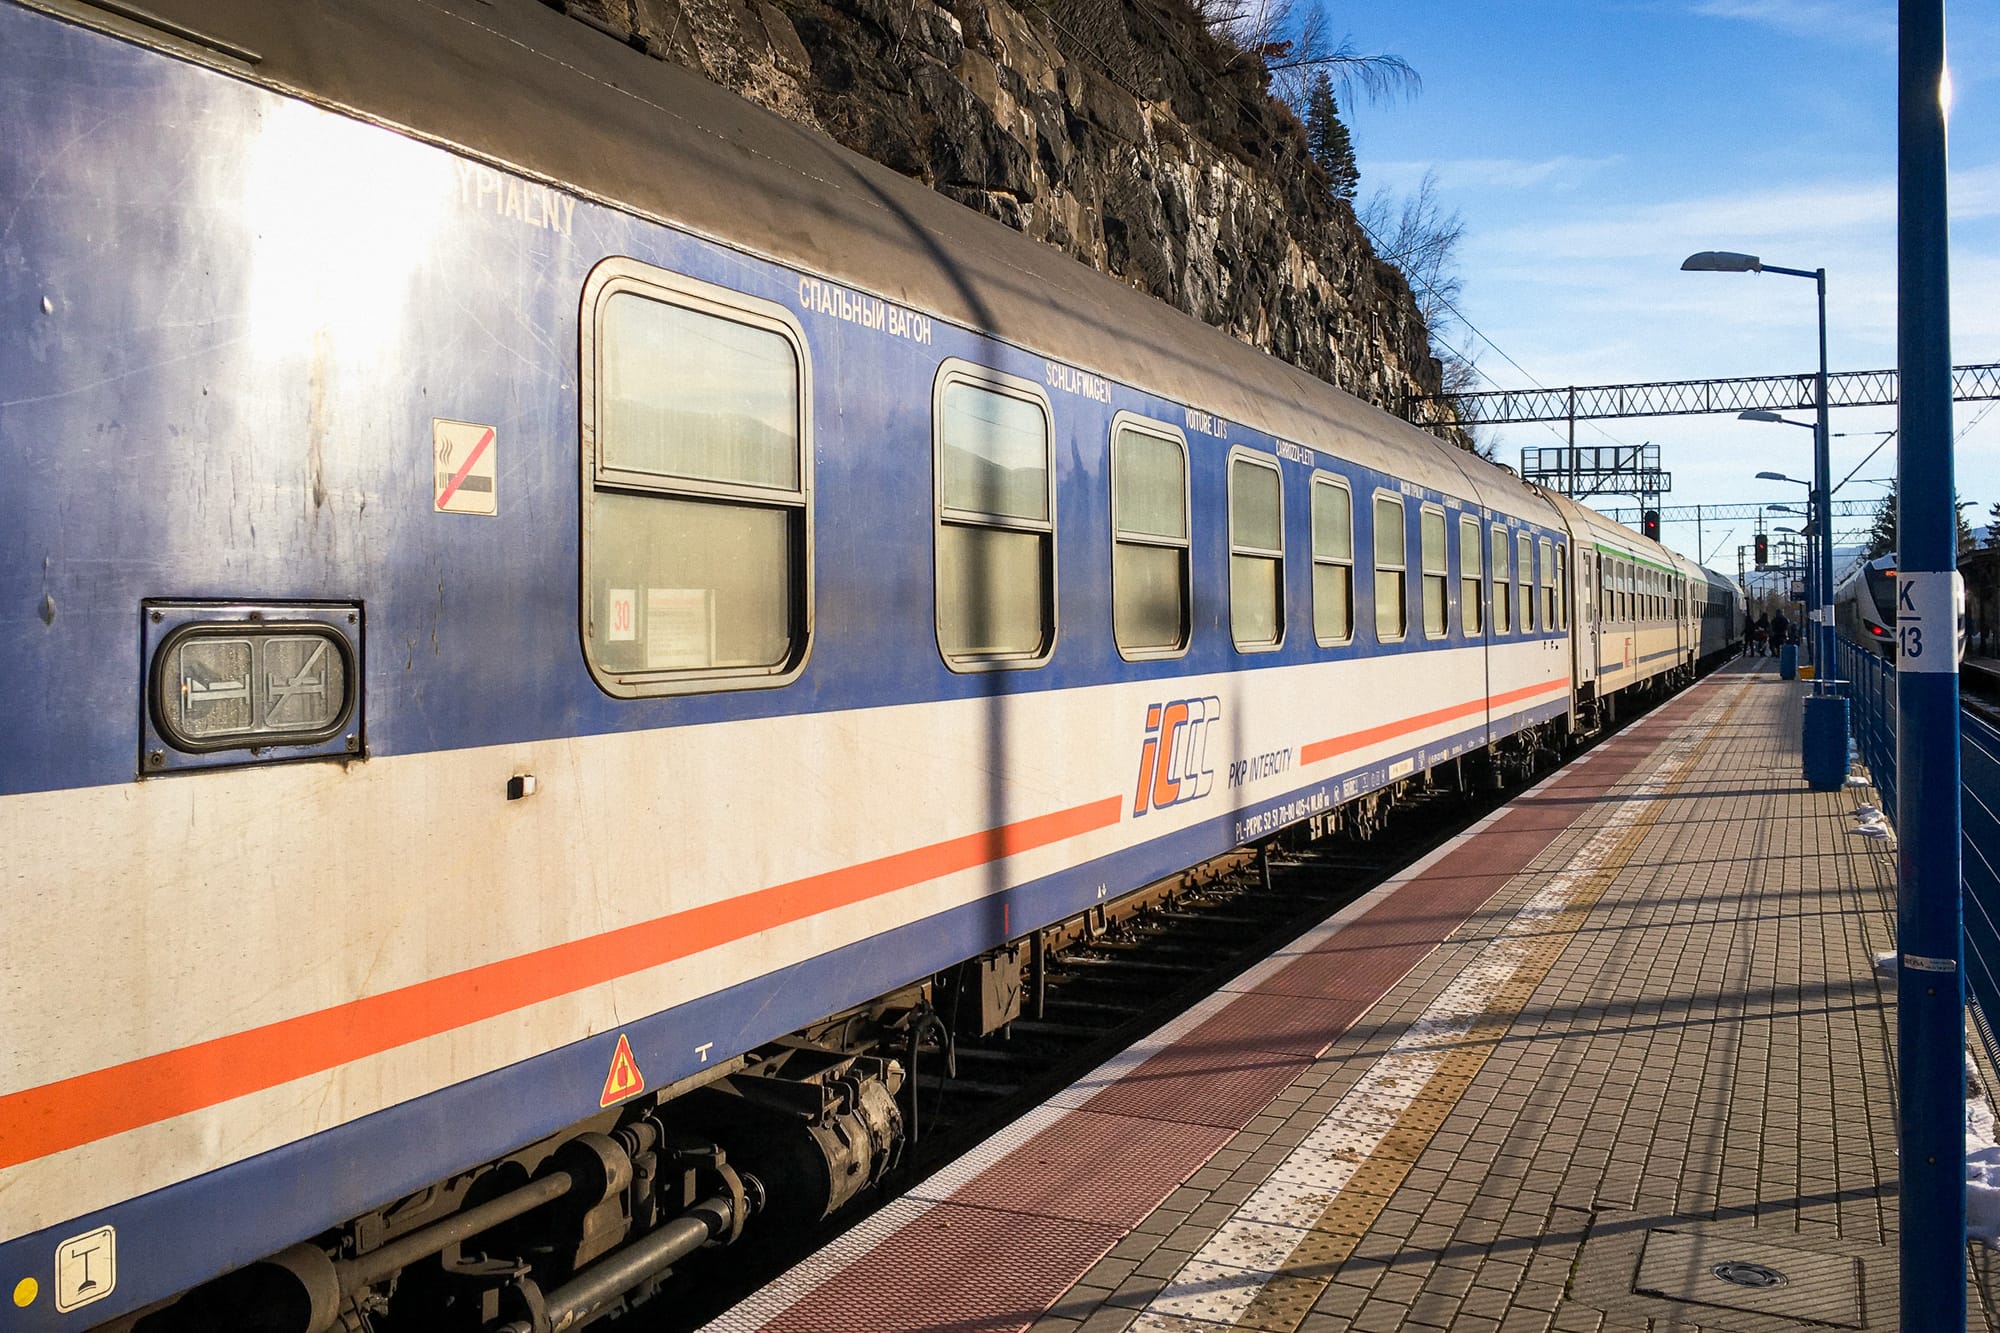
pixel 1173 759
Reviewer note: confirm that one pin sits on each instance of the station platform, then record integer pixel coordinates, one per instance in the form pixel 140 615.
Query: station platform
pixel 1616 1058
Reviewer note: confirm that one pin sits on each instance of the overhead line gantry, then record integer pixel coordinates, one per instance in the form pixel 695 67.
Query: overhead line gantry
pixel 1674 398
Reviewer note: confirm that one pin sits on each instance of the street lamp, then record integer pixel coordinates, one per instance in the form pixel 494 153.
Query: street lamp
pixel 1812 566
pixel 1759 414
pixel 1813 574
pixel 1728 261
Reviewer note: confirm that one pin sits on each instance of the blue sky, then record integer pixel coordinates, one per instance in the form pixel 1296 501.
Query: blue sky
pixel 1590 147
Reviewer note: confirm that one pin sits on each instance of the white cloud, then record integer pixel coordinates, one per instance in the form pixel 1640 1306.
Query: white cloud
pixel 1557 174
pixel 1861 22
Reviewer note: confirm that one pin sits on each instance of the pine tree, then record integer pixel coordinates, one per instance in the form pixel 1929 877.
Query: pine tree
pixel 1882 537
pixel 1993 524
pixel 1327 138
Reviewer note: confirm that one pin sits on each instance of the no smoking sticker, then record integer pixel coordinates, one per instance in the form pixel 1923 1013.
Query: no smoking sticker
pixel 463 481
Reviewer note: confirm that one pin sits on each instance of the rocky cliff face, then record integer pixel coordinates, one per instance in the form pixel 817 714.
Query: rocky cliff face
pixel 1117 130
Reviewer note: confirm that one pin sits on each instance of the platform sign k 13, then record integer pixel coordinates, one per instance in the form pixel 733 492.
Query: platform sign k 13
pixel 1928 606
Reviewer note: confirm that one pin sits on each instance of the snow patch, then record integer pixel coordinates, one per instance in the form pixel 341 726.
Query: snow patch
pixel 1982 1174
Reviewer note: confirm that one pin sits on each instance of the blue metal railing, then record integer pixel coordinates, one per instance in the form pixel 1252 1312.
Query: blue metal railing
pixel 1979 885
pixel 1871 693
pixel 1871 685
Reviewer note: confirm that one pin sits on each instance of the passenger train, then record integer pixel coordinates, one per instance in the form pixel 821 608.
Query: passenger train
pixel 1864 606
pixel 545 606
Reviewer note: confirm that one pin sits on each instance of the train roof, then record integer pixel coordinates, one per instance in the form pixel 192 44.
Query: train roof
pixel 540 93
pixel 1716 576
pixel 1583 519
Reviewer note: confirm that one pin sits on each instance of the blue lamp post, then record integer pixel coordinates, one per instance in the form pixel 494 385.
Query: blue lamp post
pixel 1930 990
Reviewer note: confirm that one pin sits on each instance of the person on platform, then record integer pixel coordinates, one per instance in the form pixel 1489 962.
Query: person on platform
pixel 1760 635
pixel 1781 629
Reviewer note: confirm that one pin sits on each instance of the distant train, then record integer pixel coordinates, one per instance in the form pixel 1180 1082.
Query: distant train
pixel 1864 606
pixel 547 607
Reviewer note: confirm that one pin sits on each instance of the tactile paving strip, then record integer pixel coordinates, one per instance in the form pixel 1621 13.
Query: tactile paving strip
pixel 1292 1024
pixel 1346 972
pixel 1092 1167
pixel 1202 1085
pixel 970 1270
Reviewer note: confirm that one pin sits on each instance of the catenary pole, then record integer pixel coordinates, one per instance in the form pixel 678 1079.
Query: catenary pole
pixel 1930 1003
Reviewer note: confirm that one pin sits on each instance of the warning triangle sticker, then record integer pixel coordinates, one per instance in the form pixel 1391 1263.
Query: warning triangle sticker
pixel 624 1079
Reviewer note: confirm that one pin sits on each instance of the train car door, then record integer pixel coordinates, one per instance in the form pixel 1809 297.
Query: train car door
pixel 1587 628
pixel 1677 589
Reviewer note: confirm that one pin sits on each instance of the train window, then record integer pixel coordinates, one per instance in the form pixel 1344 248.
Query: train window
pixel 1524 573
pixel 1430 534
pixel 1503 598
pixel 1604 606
pixel 1562 586
pixel 250 684
pixel 1392 563
pixel 697 523
pixel 1470 597
pixel 1151 603
pixel 996 568
pixel 1256 553
pixel 1333 561
pixel 1548 568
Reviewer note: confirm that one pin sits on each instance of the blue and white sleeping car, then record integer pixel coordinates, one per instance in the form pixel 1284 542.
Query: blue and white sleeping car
pixel 527 579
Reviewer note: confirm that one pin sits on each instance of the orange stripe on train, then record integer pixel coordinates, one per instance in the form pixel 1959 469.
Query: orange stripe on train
pixel 56 1116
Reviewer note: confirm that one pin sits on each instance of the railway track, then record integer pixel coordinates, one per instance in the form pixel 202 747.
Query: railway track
pixel 1979 690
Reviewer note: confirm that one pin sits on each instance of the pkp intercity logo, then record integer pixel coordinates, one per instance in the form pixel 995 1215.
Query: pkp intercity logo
pixel 1173 758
